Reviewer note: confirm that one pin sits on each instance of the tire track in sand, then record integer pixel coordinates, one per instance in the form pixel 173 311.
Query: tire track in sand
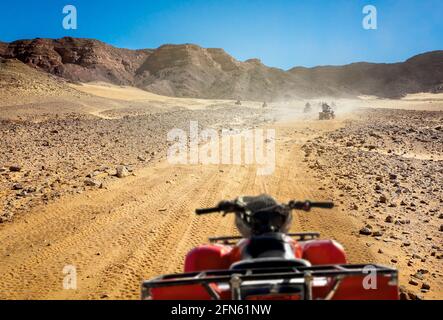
pixel 142 226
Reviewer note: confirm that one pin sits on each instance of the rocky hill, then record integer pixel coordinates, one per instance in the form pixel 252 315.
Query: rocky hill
pixel 422 73
pixel 20 80
pixel 77 59
pixel 192 71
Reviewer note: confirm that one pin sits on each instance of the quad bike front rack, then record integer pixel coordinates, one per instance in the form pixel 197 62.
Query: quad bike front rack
pixel 300 236
pixel 237 279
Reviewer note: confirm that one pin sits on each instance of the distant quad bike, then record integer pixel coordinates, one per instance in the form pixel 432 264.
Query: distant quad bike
pixel 327 113
pixel 238 103
pixel 308 108
pixel 265 105
pixel 268 263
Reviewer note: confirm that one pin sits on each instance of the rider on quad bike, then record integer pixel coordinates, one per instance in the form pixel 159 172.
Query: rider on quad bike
pixel 307 108
pixel 327 112
pixel 268 263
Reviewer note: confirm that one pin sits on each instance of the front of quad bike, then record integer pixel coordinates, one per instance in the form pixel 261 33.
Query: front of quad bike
pixel 338 282
pixel 267 263
pixel 327 282
pixel 212 274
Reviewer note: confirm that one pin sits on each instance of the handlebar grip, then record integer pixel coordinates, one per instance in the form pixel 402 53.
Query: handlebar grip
pixel 308 205
pixel 324 205
pixel 207 210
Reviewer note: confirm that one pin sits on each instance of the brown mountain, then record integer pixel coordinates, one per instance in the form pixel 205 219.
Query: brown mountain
pixel 421 73
pixel 78 59
pixel 192 71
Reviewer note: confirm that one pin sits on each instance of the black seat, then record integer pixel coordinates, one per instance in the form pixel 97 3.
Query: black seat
pixel 271 250
pixel 271 245
pixel 271 263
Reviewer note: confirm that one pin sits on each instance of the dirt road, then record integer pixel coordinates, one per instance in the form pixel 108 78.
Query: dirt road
pixel 143 225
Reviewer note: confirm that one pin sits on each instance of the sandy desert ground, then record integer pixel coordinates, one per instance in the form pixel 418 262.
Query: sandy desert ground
pixel 84 182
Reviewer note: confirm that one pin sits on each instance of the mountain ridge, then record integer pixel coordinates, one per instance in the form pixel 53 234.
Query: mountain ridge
pixel 189 70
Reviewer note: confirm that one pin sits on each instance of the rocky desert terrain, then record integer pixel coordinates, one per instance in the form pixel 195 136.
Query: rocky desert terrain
pixel 84 179
pixel 386 168
pixel 62 143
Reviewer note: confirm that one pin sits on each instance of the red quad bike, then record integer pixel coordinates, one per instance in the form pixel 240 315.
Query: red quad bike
pixel 268 263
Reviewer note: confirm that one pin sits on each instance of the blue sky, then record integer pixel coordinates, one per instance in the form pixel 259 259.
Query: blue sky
pixel 282 33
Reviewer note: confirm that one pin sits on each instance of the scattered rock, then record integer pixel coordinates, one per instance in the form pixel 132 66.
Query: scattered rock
pixel 425 286
pixel 92 183
pixel 122 172
pixel 17 186
pixel 111 171
pixel 413 282
pixel 418 276
pixel 365 231
pixel 15 168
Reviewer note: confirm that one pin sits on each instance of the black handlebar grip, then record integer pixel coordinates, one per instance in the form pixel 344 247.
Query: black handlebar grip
pixel 207 210
pixel 324 205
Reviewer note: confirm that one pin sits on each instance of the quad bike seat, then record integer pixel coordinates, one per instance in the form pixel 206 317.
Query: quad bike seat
pixel 271 245
pixel 272 263
pixel 271 250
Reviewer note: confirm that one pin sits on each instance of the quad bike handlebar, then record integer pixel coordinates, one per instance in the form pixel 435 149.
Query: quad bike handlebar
pixel 233 206
pixel 262 214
